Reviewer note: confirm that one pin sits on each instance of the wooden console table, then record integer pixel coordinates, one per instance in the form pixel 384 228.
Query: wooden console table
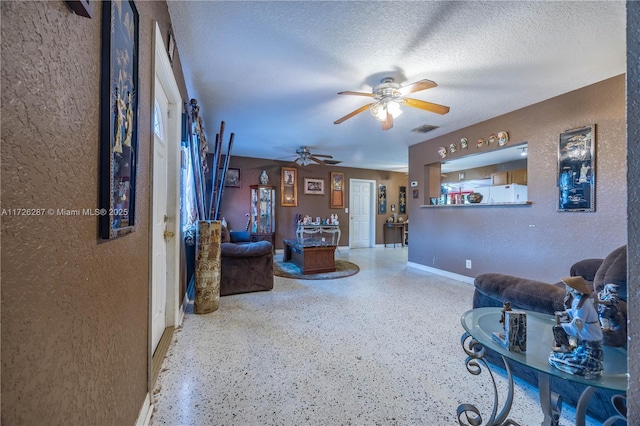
pixel 393 226
pixel 311 258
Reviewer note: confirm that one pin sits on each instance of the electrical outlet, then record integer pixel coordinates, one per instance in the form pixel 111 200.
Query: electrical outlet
pixel 468 264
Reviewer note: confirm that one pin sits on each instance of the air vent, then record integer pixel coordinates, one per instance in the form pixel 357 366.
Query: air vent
pixel 424 129
pixel 331 162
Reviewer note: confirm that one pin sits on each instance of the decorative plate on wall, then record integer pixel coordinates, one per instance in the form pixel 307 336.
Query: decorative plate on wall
pixel 442 152
pixel 480 142
pixel 453 148
pixel 464 143
pixel 503 138
pixel 492 139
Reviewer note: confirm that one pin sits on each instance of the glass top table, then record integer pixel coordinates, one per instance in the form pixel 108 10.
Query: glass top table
pixel 481 323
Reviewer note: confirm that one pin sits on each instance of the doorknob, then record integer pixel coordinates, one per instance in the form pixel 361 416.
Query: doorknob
pixel 168 234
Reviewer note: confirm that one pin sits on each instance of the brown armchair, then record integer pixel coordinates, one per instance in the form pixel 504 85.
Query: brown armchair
pixel 245 266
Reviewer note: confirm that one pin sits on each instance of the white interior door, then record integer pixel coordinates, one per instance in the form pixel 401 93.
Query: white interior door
pixel 159 203
pixel 361 222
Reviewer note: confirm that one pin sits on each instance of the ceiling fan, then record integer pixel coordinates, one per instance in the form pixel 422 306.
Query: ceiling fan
pixel 305 157
pixel 388 96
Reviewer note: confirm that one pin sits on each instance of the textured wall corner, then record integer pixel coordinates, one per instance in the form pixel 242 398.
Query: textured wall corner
pixel 509 240
pixel 74 308
pixel 633 209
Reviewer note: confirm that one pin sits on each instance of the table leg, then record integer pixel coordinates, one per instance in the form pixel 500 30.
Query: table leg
pixel 618 401
pixel 550 402
pixel 475 360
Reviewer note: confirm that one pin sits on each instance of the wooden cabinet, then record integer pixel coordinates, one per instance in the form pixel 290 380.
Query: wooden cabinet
pixel 500 178
pixel 434 180
pixel 262 226
pixel 518 176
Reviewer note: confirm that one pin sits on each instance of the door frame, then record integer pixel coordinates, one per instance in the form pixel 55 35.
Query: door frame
pixel 174 312
pixel 372 209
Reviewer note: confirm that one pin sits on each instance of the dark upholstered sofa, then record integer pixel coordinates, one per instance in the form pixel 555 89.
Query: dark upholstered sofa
pixel 494 289
pixel 245 266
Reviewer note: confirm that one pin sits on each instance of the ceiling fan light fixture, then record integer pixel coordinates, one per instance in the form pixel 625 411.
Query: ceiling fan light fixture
pixel 380 109
pixel 394 109
pixel 387 97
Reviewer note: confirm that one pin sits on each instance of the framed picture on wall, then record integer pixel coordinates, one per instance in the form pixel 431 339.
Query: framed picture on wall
pixel 576 170
pixel 337 190
pixel 382 199
pixel 314 186
pixel 402 200
pixel 232 178
pixel 118 119
pixel 288 187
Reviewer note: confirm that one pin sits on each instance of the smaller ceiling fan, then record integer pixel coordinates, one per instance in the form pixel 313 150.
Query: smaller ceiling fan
pixel 388 96
pixel 305 157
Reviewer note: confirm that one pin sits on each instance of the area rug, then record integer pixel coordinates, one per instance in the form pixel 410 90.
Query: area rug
pixel 291 270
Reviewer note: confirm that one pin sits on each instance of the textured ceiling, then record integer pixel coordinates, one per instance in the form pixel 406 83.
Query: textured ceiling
pixel 272 69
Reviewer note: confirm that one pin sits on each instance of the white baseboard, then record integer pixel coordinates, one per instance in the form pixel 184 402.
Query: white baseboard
pixel 144 417
pixel 453 276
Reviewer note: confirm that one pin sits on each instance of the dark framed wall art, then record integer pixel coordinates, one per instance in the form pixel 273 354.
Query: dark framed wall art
pixel 80 7
pixel 576 170
pixel 337 190
pixel 118 119
pixel 402 200
pixel 382 199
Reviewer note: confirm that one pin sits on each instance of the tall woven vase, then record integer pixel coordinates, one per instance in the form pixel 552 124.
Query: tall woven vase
pixel 207 273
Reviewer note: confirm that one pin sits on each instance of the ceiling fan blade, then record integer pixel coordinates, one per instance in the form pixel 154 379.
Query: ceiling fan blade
pixel 356 94
pixel 351 114
pixel 427 106
pixel 322 155
pixel 318 161
pixel 417 86
pixel 388 123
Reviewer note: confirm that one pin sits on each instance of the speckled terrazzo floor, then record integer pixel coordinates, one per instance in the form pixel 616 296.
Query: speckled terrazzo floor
pixel 381 347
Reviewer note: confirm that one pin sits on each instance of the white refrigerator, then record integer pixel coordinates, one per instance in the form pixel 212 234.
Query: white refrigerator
pixel 512 193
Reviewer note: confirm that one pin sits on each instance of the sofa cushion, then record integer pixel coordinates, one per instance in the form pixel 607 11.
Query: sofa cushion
pixel 259 248
pixel 586 268
pixel 522 293
pixel 240 236
pixel 613 271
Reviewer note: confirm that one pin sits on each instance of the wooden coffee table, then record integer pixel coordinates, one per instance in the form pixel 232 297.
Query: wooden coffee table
pixel 312 257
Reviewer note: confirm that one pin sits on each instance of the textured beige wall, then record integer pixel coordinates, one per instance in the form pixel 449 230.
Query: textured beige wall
pixel 633 253
pixel 74 309
pixel 235 203
pixel 534 241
